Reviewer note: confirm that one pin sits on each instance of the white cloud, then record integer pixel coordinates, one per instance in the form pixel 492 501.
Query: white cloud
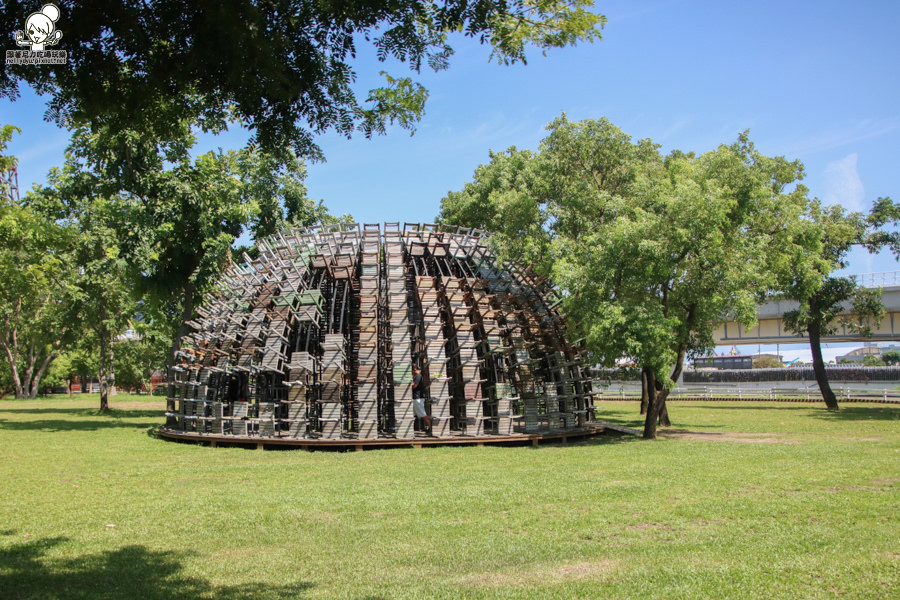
pixel 840 136
pixel 843 185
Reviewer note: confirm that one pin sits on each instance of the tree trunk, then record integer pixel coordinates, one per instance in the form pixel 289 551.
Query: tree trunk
pixel 111 367
pixel 657 411
pixel 104 392
pixel 11 346
pixel 652 407
pixel 645 391
pixel 28 384
pixel 36 382
pixel 819 367
pixel 29 374
pixel 186 315
pixel 11 356
pixel 664 413
pixel 675 376
pixel 104 370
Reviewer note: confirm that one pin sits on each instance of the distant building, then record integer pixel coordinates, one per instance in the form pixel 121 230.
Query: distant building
pixel 858 355
pixel 740 361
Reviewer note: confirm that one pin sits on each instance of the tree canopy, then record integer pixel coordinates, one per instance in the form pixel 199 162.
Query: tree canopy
pixel 650 251
pixel 891 357
pixel 37 271
pixel 282 68
pixel 166 221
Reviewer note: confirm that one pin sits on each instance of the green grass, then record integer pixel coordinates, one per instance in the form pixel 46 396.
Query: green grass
pixel 772 501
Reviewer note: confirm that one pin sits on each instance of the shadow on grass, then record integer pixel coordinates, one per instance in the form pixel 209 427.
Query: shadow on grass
pixel 860 413
pixel 127 573
pixel 629 419
pixel 604 439
pixel 76 419
pixel 844 413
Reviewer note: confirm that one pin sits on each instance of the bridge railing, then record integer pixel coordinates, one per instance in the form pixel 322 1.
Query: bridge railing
pixel 882 279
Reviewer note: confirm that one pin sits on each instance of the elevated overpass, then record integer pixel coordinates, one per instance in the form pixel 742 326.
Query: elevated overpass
pixel 770 327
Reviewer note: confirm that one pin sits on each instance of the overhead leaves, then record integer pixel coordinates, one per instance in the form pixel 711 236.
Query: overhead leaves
pixel 283 68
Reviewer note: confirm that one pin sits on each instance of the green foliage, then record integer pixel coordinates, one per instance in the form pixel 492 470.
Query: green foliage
pixel 138 357
pixel 136 360
pixel 884 212
pixel 6 162
pixel 824 308
pixel 6 380
pixel 283 68
pixel 767 362
pixel 651 251
pixel 891 357
pixel 36 295
pixel 873 360
pixel 822 240
pixel 163 223
pixel 500 200
pixel 103 300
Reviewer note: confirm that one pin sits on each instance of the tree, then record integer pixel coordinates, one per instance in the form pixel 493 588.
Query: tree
pixel 35 297
pixel 891 357
pixel 280 195
pixel 6 382
pixel 283 68
pixel 7 163
pixel 141 355
pixel 823 240
pixel 102 298
pixel 36 271
pixel 873 360
pixel 651 252
pixel 767 362
pixel 83 362
pixel 174 218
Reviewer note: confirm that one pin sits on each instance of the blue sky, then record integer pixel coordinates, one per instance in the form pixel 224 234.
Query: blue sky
pixel 816 81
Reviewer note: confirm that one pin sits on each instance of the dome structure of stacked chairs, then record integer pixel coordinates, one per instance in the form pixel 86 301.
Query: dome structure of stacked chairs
pixel 317 338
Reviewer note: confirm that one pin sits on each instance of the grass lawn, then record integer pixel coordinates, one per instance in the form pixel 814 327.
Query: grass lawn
pixel 744 500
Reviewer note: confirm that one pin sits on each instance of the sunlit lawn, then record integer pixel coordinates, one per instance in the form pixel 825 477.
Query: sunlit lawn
pixel 756 501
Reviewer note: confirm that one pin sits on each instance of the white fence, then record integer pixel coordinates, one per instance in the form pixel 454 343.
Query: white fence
pixel 802 392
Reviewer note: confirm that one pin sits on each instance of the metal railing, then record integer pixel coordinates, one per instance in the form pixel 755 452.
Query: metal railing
pixel 875 280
